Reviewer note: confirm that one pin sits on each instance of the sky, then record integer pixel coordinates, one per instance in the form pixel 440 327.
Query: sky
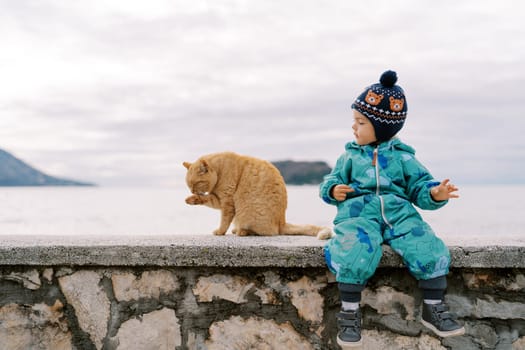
pixel 120 93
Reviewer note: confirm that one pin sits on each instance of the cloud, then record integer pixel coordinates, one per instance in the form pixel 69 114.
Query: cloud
pixel 122 92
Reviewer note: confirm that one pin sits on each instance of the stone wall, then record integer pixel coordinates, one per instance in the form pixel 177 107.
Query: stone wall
pixel 229 293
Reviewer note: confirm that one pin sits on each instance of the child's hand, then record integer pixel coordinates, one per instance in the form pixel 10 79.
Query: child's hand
pixel 339 192
pixel 444 191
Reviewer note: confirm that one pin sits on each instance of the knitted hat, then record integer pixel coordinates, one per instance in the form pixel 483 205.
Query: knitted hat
pixel 384 104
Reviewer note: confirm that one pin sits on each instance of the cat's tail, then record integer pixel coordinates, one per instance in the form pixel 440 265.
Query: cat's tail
pixel 322 232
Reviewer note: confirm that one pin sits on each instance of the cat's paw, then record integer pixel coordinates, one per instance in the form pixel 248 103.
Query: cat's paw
pixel 325 233
pixel 195 199
pixel 219 232
pixel 242 232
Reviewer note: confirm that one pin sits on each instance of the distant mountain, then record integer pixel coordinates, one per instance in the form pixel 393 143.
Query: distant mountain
pixel 302 173
pixel 14 172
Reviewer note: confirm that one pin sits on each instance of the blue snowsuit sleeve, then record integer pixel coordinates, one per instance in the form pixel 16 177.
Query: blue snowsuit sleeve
pixel 419 183
pixel 338 176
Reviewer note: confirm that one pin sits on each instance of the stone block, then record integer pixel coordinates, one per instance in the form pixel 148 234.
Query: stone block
pixel 488 307
pixel 48 274
pixel 232 288
pixel 29 279
pixel 83 291
pixel 38 326
pixel 156 330
pixel 519 344
pixel 254 333
pixel 386 300
pixel 304 295
pixel 381 340
pixel 151 284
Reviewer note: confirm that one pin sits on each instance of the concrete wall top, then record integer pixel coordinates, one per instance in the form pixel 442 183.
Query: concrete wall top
pixel 209 250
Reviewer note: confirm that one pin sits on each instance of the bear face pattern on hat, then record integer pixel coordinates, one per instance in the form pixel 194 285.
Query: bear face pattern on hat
pixel 384 104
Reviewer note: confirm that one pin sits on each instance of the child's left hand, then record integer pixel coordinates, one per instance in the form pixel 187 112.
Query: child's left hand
pixel 445 190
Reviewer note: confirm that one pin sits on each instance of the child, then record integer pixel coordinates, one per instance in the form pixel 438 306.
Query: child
pixel 373 185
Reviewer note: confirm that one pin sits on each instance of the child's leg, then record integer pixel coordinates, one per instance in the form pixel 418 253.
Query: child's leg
pixel 349 318
pixel 436 316
pixel 433 289
pixel 353 255
pixel 350 295
pixel 428 259
pixel 426 255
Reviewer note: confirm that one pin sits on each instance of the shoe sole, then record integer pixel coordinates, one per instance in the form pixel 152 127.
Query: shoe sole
pixel 443 334
pixel 348 345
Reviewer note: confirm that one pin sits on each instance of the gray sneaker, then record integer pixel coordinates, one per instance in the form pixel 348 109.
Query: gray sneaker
pixel 349 323
pixel 438 319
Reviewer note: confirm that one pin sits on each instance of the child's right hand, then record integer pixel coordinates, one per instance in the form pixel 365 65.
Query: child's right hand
pixel 339 192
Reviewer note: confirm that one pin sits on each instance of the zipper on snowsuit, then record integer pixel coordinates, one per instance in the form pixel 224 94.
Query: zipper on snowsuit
pixel 375 163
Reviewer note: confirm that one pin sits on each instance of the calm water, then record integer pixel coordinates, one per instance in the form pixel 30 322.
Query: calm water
pixel 483 214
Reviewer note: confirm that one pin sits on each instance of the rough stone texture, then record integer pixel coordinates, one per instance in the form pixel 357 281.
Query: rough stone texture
pixel 151 284
pixel 386 300
pixel 208 250
pixel 232 288
pixel 30 279
pixel 254 333
pixel 114 309
pixel 374 340
pixel 487 307
pixel 48 274
pixel 519 344
pixel 304 294
pixel 38 326
pixel 153 331
pixel 91 304
pixel 179 302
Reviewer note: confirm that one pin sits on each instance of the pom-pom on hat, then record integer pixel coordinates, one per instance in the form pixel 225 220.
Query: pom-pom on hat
pixel 385 105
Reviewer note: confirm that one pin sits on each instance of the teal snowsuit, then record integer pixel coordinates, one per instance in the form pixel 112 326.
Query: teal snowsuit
pixel 386 180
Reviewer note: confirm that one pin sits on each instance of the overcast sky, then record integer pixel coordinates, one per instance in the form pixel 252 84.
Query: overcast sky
pixel 121 92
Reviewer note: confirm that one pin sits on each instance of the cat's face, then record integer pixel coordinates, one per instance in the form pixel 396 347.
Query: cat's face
pixel 200 178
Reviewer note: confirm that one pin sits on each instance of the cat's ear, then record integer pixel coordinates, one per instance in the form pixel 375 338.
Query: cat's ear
pixel 203 169
pixel 186 165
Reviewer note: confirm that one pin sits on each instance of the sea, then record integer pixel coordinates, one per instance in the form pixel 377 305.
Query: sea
pixel 484 214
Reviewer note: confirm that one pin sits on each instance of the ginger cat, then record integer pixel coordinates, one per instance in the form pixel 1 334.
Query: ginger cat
pixel 249 192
